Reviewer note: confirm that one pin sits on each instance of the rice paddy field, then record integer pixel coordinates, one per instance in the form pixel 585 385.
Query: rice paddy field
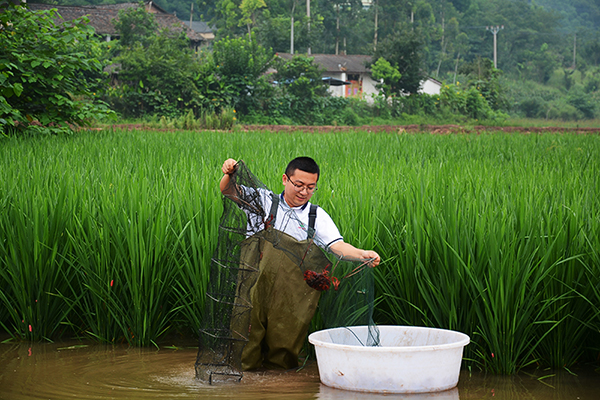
pixel 108 235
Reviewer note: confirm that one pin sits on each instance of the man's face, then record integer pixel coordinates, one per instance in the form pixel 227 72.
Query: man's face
pixel 299 187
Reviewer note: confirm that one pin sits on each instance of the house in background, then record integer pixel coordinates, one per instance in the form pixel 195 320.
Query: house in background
pixel 348 68
pixel 430 86
pixel 101 17
pixel 202 29
pixel 352 69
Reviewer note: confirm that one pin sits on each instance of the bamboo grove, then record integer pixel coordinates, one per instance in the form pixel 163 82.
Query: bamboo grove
pixel 108 235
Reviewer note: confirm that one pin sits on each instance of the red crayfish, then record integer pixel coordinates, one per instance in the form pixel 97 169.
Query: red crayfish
pixel 320 281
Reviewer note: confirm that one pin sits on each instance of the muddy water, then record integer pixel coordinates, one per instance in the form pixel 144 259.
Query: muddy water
pixel 73 371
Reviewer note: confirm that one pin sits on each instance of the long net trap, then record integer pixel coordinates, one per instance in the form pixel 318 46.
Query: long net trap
pixel 305 280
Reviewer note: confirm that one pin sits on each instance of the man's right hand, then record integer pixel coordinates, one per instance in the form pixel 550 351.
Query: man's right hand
pixel 229 166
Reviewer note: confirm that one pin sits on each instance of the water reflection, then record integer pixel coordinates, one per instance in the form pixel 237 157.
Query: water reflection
pixel 328 393
pixel 98 372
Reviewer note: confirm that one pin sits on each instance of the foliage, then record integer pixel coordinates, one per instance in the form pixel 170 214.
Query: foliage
pixel 156 71
pixel 240 63
pixel 157 78
pixel 209 119
pixel 402 50
pixel 301 88
pixel 417 104
pixel 451 30
pixel 539 65
pixel 346 26
pixel 383 70
pixel 249 10
pixel 274 32
pixel 582 102
pixel 42 67
pixel 468 101
pixel 135 25
pixel 482 75
pixel 444 39
pixel 300 76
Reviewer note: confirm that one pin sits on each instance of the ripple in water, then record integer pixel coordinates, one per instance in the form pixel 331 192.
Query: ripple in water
pixel 99 372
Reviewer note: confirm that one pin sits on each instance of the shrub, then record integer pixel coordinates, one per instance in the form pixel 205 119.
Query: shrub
pixel 157 76
pixel 349 117
pixel 42 70
pixel 582 102
pixel 566 112
pixel 533 108
pixel 239 64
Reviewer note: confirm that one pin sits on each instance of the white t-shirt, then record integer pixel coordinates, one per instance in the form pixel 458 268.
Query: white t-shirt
pixel 294 221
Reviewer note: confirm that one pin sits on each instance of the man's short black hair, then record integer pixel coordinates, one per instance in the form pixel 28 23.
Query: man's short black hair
pixel 305 164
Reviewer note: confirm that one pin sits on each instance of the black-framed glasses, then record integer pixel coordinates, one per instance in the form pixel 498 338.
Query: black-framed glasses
pixel 298 187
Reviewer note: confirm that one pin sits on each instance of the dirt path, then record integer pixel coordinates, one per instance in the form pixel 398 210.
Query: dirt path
pixel 439 129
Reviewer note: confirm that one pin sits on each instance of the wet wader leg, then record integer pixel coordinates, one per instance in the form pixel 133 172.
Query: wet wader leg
pixel 252 357
pixel 252 354
pixel 242 308
pixel 293 304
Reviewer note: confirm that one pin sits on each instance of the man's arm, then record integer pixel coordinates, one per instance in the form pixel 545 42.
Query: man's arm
pixel 228 168
pixel 346 250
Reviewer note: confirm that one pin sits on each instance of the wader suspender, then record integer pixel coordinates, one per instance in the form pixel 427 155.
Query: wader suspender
pixel 312 215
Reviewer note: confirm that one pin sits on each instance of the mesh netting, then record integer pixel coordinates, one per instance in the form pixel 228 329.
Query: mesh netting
pixel 282 278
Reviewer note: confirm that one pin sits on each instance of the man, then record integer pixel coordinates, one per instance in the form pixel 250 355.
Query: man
pixel 282 303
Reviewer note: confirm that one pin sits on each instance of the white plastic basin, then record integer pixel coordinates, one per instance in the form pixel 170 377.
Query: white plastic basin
pixel 408 360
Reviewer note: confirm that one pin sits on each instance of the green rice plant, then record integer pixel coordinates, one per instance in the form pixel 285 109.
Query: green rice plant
pixel 195 246
pixel 494 235
pixel 34 274
pixel 454 231
pixel 143 252
pixel 146 266
pixel 564 345
pixel 589 292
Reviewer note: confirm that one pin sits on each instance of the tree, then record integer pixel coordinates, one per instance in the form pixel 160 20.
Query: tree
pixel 249 10
pixel 41 65
pixel 383 70
pixel 302 87
pixel 157 71
pixel 274 32
pixel 157 79
pixel 403 49
pixel 227 17
pixel 392 13
pixel 485 79
pixel 240 63
pixel 300 77
pixel 135 25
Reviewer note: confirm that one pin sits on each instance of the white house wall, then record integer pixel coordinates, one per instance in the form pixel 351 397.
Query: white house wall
pixel 337 91
pixel 368 86
pixel 430 86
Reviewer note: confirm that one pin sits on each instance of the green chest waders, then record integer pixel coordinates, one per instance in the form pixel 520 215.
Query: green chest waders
pixel 282 303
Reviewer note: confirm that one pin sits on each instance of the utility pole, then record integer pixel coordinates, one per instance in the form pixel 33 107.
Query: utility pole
pixel 292 28
pixel 337 30
pixel 495 30
pixel 308 16
pixel 575 51
pixel 376 25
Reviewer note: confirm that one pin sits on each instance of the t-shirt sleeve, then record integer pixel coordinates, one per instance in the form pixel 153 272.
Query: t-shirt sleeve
pixel 256 208
pixel 327 232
